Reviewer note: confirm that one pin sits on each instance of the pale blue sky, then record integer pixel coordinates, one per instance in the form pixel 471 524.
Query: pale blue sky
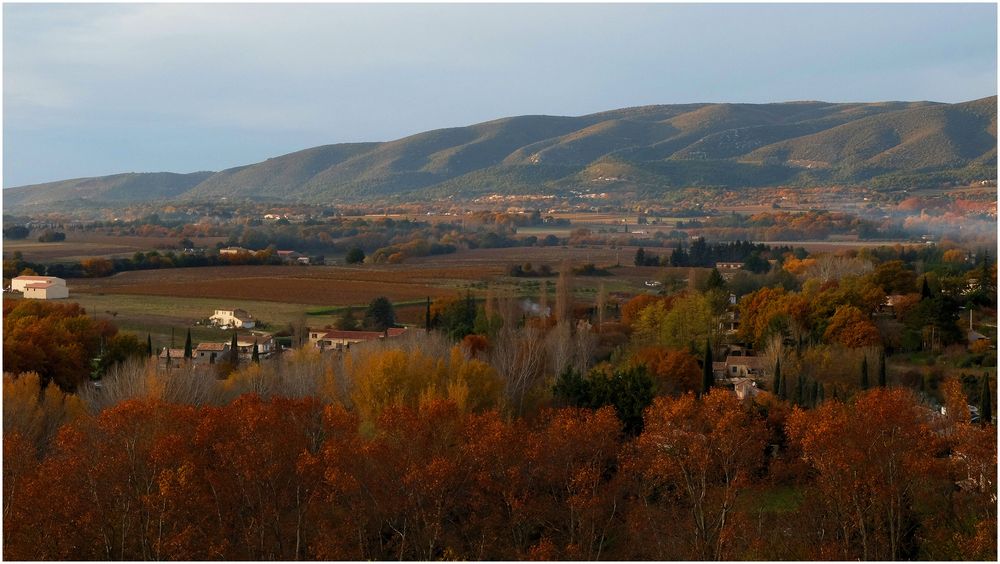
pixel 98 89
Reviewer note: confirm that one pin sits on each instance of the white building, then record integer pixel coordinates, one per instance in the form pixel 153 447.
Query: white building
pixel 236 318
pixel 40 287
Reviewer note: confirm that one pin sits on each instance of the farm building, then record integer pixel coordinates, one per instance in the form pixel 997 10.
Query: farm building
pixel 265 345
pixel 171 357
pixel 40 287
pixel 728 269
pixel 211 352
pixel 236 318
pixel 744 366
pixel 329 338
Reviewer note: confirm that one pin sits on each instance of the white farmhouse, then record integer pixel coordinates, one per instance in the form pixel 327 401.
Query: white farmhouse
pixel 40 287
pixel 236 318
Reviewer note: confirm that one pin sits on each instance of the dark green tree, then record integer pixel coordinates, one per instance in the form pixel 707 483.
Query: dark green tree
pixel 640 257
pixel 255 356
pixel 234 352
pixel 629 391
pixel 882 379
pixel 864 374
pixel 800 391
pixel 756 264
pixel 925 290
pixel 427 315
pixel 355 256
pixel 815 394
pixel 707 377
pixel 149 345
pixel 188 353
pixel 985 402
pixel 715 280
pixel 380 314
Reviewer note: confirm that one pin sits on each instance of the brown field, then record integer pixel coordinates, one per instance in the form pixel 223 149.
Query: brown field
pixel 79 245
pixel 314 285
pixel 500 259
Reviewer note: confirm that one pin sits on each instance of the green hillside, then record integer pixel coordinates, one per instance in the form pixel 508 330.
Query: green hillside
pixel 115 189
pixel 652 148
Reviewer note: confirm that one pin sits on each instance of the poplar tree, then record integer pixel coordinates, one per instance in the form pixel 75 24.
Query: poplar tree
pixel 188 354
pixel 882 380
pixel 149 345
pixel 234 352
pixel 708 379
pixel 255 356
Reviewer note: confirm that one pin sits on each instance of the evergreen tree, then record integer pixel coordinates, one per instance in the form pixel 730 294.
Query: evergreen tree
pixel 640 257
pixel 188 354
pixel 882 380
pixel 864 374
pixel 925 290
pixel 149 345
pixel 715 280
pixel 708 378
pixel 427 315
pixel 255 356
pixel 168 357
pixel 800 392
pixel 380 315
pixel 783 393
pixel 815 394
pixel 234 352
pixel 985 402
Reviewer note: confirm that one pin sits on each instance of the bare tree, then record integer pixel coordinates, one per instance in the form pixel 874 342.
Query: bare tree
pixel 518 356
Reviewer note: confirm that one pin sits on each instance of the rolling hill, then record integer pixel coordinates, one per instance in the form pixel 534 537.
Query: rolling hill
pixel 650 148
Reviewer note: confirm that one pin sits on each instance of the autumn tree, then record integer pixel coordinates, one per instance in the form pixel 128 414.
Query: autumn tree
pixel 673 371
pixel 693 461
pixel 873 458
pixel 58 341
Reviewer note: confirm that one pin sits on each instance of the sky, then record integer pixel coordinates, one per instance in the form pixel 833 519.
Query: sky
pixel 90 90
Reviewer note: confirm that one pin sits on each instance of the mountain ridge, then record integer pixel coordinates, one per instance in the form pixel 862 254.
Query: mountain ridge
pixel 658 148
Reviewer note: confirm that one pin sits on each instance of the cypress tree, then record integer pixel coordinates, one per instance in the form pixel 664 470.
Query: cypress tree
pixel 985 402
pixel 427 315
pixel 882 380
pixel 925 289
pixel 815 394
pixel 168 357
pixel 149 345
pixel 255 357
pixel 234 352
pixel 187 346
pixel 800 391
pixel 708 379
pixel 777 378
pixel 864 374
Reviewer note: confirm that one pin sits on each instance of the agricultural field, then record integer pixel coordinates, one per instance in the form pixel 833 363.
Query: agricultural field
pixel 82 245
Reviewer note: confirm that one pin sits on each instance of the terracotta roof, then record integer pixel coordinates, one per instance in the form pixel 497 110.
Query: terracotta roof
pixel 43 278
pixel 39 285
pixel 174 353
pixel 212 346
pixel 357 335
